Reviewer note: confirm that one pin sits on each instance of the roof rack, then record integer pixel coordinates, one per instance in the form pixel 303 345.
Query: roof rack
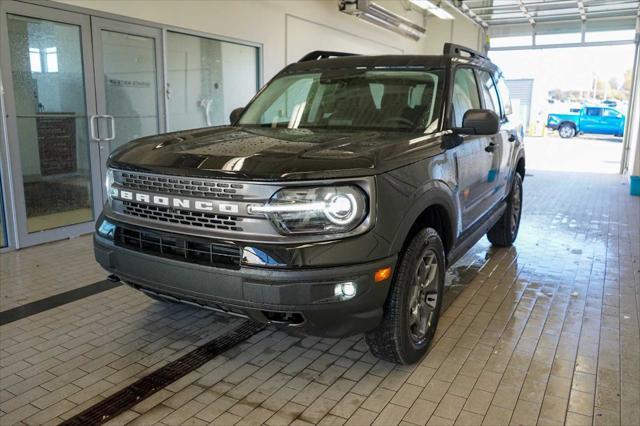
pixel 456 49
pixel 323 54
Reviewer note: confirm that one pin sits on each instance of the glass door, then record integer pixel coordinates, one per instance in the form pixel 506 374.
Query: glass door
pixel 49 97
pixel 128 72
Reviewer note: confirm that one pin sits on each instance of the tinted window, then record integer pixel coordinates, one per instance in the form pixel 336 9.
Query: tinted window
pixel 593 112
pixel 489 92
pixel 350 98
pixel 505 97
pixel 465 95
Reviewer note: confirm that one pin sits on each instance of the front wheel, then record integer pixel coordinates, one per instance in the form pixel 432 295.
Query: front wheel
pixel 566 131
pixel 505 231
pixel 413 305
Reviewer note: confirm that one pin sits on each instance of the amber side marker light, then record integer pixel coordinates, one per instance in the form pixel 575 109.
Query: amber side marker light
pixel 382 274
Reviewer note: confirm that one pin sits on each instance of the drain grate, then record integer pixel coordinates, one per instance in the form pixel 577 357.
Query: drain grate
pixel 126 398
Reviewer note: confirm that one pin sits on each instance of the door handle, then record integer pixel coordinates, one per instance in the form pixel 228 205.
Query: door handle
pixel 112 128
pixel 92 127
pixel 490 148
pixel 93 120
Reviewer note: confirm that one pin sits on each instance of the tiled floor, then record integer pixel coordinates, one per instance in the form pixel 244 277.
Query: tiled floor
pixel 544 332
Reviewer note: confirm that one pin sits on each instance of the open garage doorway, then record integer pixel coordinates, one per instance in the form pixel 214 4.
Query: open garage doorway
pixel 574 103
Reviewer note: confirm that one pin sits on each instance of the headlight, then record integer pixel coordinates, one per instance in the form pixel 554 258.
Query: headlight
pixel 329 209
pixel 108 183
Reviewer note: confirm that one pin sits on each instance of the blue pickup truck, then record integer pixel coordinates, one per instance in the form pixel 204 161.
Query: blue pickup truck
pixel 591 119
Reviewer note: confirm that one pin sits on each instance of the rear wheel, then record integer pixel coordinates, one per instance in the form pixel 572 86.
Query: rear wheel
pixel 505 231
pixel 566 131
pixel 413 305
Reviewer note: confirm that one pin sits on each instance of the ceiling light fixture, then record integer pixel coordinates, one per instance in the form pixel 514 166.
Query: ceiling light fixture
pixel 432 9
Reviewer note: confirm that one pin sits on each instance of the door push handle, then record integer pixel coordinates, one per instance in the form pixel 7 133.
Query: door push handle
pixel 93 120
pixel 490 148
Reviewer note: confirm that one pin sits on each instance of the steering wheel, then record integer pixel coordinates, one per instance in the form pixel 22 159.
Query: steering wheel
pixel 399 120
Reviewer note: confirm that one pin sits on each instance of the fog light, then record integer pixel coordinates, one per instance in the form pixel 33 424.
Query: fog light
pixel 345 290
pixel 107 229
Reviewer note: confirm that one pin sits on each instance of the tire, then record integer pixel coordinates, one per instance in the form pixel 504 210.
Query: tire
pixel 566 131
pixel 505 231
pixel 411 311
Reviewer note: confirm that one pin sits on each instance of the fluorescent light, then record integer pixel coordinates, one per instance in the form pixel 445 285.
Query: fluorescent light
pixel 432 8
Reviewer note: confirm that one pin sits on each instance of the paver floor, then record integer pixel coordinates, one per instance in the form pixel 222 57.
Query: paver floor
pixel 544 332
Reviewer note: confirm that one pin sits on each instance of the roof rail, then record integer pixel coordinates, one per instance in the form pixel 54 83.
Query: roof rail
pixel 456 49
pixel 323 54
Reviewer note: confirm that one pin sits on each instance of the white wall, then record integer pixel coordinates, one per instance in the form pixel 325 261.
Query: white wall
pixel 286 28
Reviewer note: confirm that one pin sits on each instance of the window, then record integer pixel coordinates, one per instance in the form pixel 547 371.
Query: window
pixel 350 98
pixel 593 112
pixel 48 56
pixel 207 79
pixel 611 113
pixel 34 60
pixel 465 95
pixel 51 55
pixel 505 98
pixel 489 92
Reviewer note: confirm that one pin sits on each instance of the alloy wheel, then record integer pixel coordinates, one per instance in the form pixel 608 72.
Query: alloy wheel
pixel 424 296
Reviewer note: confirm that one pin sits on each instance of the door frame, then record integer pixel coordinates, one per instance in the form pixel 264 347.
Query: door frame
pixel 99 24
pixel 23 237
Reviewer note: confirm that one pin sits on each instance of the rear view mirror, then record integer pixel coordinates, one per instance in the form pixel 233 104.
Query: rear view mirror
pixel 235 115
pixel 479 122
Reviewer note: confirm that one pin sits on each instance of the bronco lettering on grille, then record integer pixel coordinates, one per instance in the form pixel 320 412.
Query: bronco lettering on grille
pixel 175 202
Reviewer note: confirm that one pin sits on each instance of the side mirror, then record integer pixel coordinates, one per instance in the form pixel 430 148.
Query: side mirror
pixel 479 122
pixel 235 115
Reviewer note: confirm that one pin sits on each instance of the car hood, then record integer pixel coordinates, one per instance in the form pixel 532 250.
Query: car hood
pixel 274 154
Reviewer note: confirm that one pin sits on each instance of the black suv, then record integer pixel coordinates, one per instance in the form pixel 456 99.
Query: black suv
pixel 333 204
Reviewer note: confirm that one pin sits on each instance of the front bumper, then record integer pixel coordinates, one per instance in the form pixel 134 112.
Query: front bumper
pixel 302 298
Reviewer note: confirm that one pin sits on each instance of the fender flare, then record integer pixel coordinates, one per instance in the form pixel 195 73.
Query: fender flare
pixel 432 194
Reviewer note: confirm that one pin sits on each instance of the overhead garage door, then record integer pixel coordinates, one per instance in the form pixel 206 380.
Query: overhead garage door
pixel 521 92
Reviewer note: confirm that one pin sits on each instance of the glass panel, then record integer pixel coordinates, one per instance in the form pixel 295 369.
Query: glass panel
pixel 511 41
pixel 48 84
pixel 207 80
pixel 131 91
pixel 544 39
pixel 617 35
pixel 465 95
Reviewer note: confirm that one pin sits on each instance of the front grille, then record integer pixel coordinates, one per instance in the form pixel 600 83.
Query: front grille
pixel 195 187
pixel 182 217
pixel 178 247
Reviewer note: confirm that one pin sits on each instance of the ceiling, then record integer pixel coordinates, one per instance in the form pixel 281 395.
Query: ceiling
pixel 508 12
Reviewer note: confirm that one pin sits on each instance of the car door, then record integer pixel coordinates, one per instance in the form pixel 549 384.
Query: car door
pixel 591 120
pixel 501 145
pixel 613 121
pixel 473 159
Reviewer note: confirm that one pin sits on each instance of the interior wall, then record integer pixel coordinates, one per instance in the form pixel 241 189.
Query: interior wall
pixel 286 28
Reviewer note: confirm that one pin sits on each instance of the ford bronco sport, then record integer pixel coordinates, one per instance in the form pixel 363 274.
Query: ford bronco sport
pixel 333 203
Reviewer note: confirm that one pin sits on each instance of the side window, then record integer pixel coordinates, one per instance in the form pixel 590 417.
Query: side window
pixel 593 112
pixel 505 97
pixel 611 113
pixel 489 92
pixel 465 95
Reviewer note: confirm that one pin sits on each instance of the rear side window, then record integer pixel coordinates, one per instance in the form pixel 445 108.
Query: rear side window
pixel 505 97
pixel 465 95
pixel 489 92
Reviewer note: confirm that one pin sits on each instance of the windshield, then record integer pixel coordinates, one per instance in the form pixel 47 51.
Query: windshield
pixel 355 99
